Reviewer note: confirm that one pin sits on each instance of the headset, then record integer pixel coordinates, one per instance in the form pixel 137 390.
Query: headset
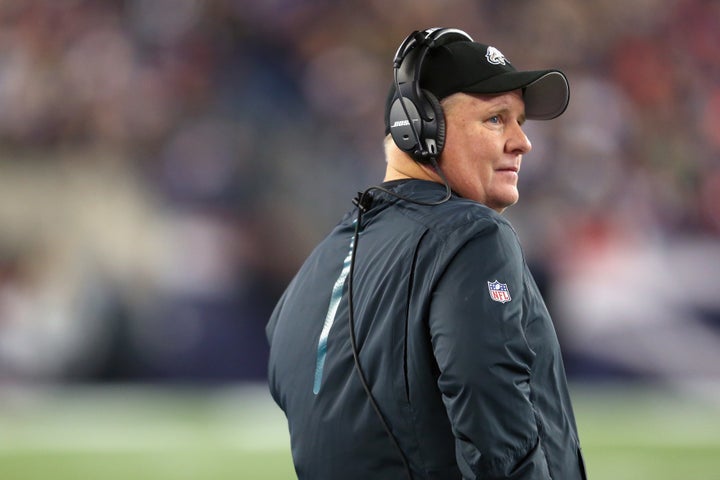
pixel 417 125
pixel 416 120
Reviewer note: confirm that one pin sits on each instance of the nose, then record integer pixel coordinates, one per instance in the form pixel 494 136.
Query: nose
pixel 518 142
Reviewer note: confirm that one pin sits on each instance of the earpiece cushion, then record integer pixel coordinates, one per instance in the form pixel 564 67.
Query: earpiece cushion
pixel 439 117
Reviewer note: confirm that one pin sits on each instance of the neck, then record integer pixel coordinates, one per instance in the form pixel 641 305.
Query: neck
pixel 402 168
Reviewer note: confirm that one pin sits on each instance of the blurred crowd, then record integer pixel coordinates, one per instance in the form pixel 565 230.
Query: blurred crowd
pixel 165 166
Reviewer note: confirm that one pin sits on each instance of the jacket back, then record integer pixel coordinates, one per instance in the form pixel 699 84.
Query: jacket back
pixel 469 379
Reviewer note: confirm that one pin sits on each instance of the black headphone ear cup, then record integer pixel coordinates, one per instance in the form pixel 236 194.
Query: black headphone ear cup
pixel 439 116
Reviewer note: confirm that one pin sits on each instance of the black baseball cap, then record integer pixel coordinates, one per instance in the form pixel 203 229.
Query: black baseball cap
pixel 472 67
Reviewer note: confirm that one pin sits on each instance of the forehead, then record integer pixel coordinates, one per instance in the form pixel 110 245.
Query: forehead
pixel 480 102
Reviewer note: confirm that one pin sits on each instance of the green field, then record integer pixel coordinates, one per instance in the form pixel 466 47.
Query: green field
pixel 238 433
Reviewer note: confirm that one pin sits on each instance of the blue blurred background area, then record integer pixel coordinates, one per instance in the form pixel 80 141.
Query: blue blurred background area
pixel 166 165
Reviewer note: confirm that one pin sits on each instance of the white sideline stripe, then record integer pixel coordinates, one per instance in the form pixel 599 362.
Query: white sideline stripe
pixel 130 419
pixel 137 437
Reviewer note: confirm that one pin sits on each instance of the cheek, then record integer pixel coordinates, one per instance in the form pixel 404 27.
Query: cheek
pixel 467 176
pixel 465 162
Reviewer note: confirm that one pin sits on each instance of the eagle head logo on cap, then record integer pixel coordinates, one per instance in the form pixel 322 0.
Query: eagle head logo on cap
pixel 495 56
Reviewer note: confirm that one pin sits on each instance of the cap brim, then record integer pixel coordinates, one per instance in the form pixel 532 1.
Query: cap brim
pixel 546 92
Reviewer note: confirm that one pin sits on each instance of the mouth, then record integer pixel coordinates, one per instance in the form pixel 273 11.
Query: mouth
pixel 512 169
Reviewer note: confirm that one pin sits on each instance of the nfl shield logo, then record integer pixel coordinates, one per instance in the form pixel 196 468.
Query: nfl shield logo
pixel 499 291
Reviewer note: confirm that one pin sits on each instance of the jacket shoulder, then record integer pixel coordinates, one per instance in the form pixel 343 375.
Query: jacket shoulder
pixel 463 215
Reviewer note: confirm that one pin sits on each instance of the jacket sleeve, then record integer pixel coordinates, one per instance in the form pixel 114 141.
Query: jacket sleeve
pixel 485 362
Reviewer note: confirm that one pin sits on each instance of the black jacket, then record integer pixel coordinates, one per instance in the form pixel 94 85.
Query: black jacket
pixel 455 341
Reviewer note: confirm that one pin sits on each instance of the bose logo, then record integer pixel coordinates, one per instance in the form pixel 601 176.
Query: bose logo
pixel 400 123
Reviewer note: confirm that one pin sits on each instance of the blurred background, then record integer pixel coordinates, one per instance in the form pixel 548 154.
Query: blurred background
pixel 166 165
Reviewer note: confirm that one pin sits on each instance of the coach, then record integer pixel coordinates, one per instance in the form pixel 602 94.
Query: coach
pixel 413 342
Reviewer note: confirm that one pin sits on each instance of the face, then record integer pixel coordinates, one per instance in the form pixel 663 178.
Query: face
pixel 484 145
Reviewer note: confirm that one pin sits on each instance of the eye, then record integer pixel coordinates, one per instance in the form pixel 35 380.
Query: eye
pixel 495 119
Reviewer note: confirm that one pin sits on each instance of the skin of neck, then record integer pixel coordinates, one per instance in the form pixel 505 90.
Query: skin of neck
pixel 400 165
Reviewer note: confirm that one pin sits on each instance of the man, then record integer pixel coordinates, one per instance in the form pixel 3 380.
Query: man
pixel 413 342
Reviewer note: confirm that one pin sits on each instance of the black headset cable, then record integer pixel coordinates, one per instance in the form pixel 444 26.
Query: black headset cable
pixel 362 203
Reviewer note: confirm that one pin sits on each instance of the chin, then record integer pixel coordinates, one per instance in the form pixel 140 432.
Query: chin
pixel 501 202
